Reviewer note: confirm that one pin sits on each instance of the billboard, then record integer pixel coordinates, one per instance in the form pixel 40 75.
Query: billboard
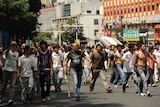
pixel 131 35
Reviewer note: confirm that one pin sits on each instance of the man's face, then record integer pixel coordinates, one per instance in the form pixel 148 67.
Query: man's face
pixel 143 47
pixel 99 48
pixel 1 49
pixel 43 46
pixel 13 48
pixel 75 47
pixel 157 46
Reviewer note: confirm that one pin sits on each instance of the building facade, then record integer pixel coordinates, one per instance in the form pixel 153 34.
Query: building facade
pixel 86 13
pixel 133 15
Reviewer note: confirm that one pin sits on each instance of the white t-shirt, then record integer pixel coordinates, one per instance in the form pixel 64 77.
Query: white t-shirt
pixel 85 60
pixel 157 54
pixel 25 64
pixel 11 61
pixel 127 66
pixel 56 58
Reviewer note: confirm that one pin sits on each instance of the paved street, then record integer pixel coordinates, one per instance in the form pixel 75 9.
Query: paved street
pixel 99 99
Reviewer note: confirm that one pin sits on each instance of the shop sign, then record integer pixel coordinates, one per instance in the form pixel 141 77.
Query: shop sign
pixel 157 34
pixel 131 35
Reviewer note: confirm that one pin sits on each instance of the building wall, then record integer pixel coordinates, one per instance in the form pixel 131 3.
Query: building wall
pixel 45 19
pixel 130 8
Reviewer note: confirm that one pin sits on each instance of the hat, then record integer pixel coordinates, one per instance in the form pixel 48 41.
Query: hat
pixel 13 43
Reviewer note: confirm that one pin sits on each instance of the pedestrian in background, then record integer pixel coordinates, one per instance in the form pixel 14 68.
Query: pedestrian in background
pixel 10 71
pixel 25 74
pixel 45 67
pixel 98 69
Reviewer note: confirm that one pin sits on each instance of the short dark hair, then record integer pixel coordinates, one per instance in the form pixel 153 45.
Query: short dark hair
pixel 26 48
pixel 130 46
pixel 119 46
pixel 88 47
pixel 140 45
pixel 156 44
pixel 43 43
pixel 98 45
pixel 55 46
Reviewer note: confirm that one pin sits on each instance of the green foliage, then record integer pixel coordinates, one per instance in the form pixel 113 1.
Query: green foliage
pixel 41 36
pixel 69 33
pixel 19 15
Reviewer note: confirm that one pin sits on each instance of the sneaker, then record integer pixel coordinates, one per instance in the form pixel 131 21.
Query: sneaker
pixel 142 94
pixel 148 93
pixel 24 101
pixel 43 100
pixel 47 98
pixel 77 98
pixel 109 90
pixel 115 85
pixel 10 102
pixel 153 85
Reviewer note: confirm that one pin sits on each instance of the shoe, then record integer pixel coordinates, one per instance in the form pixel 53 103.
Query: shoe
pixel 109 90
pixel 153 85
pixel 24 101
pixel 29 97
pixel 77 98
pixel 43 100
pixel 10 102
pixel 127 85
pixel 115 85
pixel 142 94
pixel 149 85
pixel 148 93
pixel 47 98
pixel 60 89
pixel 56 90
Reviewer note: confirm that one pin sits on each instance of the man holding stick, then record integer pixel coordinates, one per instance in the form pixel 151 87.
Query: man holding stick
pixel 75 55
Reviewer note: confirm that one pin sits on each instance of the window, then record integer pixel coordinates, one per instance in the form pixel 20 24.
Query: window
pixel 148 8
pixel 95 21
pixel 97 11
pixel 95 32
pixel 153 7
pixel 88 11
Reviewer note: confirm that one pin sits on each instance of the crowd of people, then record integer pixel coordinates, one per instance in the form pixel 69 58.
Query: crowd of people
pixel 36 67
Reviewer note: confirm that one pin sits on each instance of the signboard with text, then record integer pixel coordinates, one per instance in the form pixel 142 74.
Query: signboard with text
pixel 131 35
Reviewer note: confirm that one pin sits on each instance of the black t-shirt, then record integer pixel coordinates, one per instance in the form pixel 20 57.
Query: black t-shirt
pixel 76 59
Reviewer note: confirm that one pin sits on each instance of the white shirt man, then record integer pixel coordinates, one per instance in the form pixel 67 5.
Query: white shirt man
pixel 25 71
pixel 57 67
pixel 26 64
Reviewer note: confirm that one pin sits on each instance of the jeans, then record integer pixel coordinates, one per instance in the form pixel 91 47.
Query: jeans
pixel 142 70
pixel 134 75
pixel 45 78
pixel 119 71
pixel 57 78
pixel 12 76
pixel 37 87
pixel 150 78
pixel 156 73
pixel 27 84
pixel 76 78
pixel 85 73
pixel 102 74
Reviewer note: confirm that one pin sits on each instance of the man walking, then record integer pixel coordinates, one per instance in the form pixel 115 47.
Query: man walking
pixel 140 64
pixel 75 68
pixel 46 70
pixel 10 71
pixel 25 74
pixel 57 66
pixel 98 69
